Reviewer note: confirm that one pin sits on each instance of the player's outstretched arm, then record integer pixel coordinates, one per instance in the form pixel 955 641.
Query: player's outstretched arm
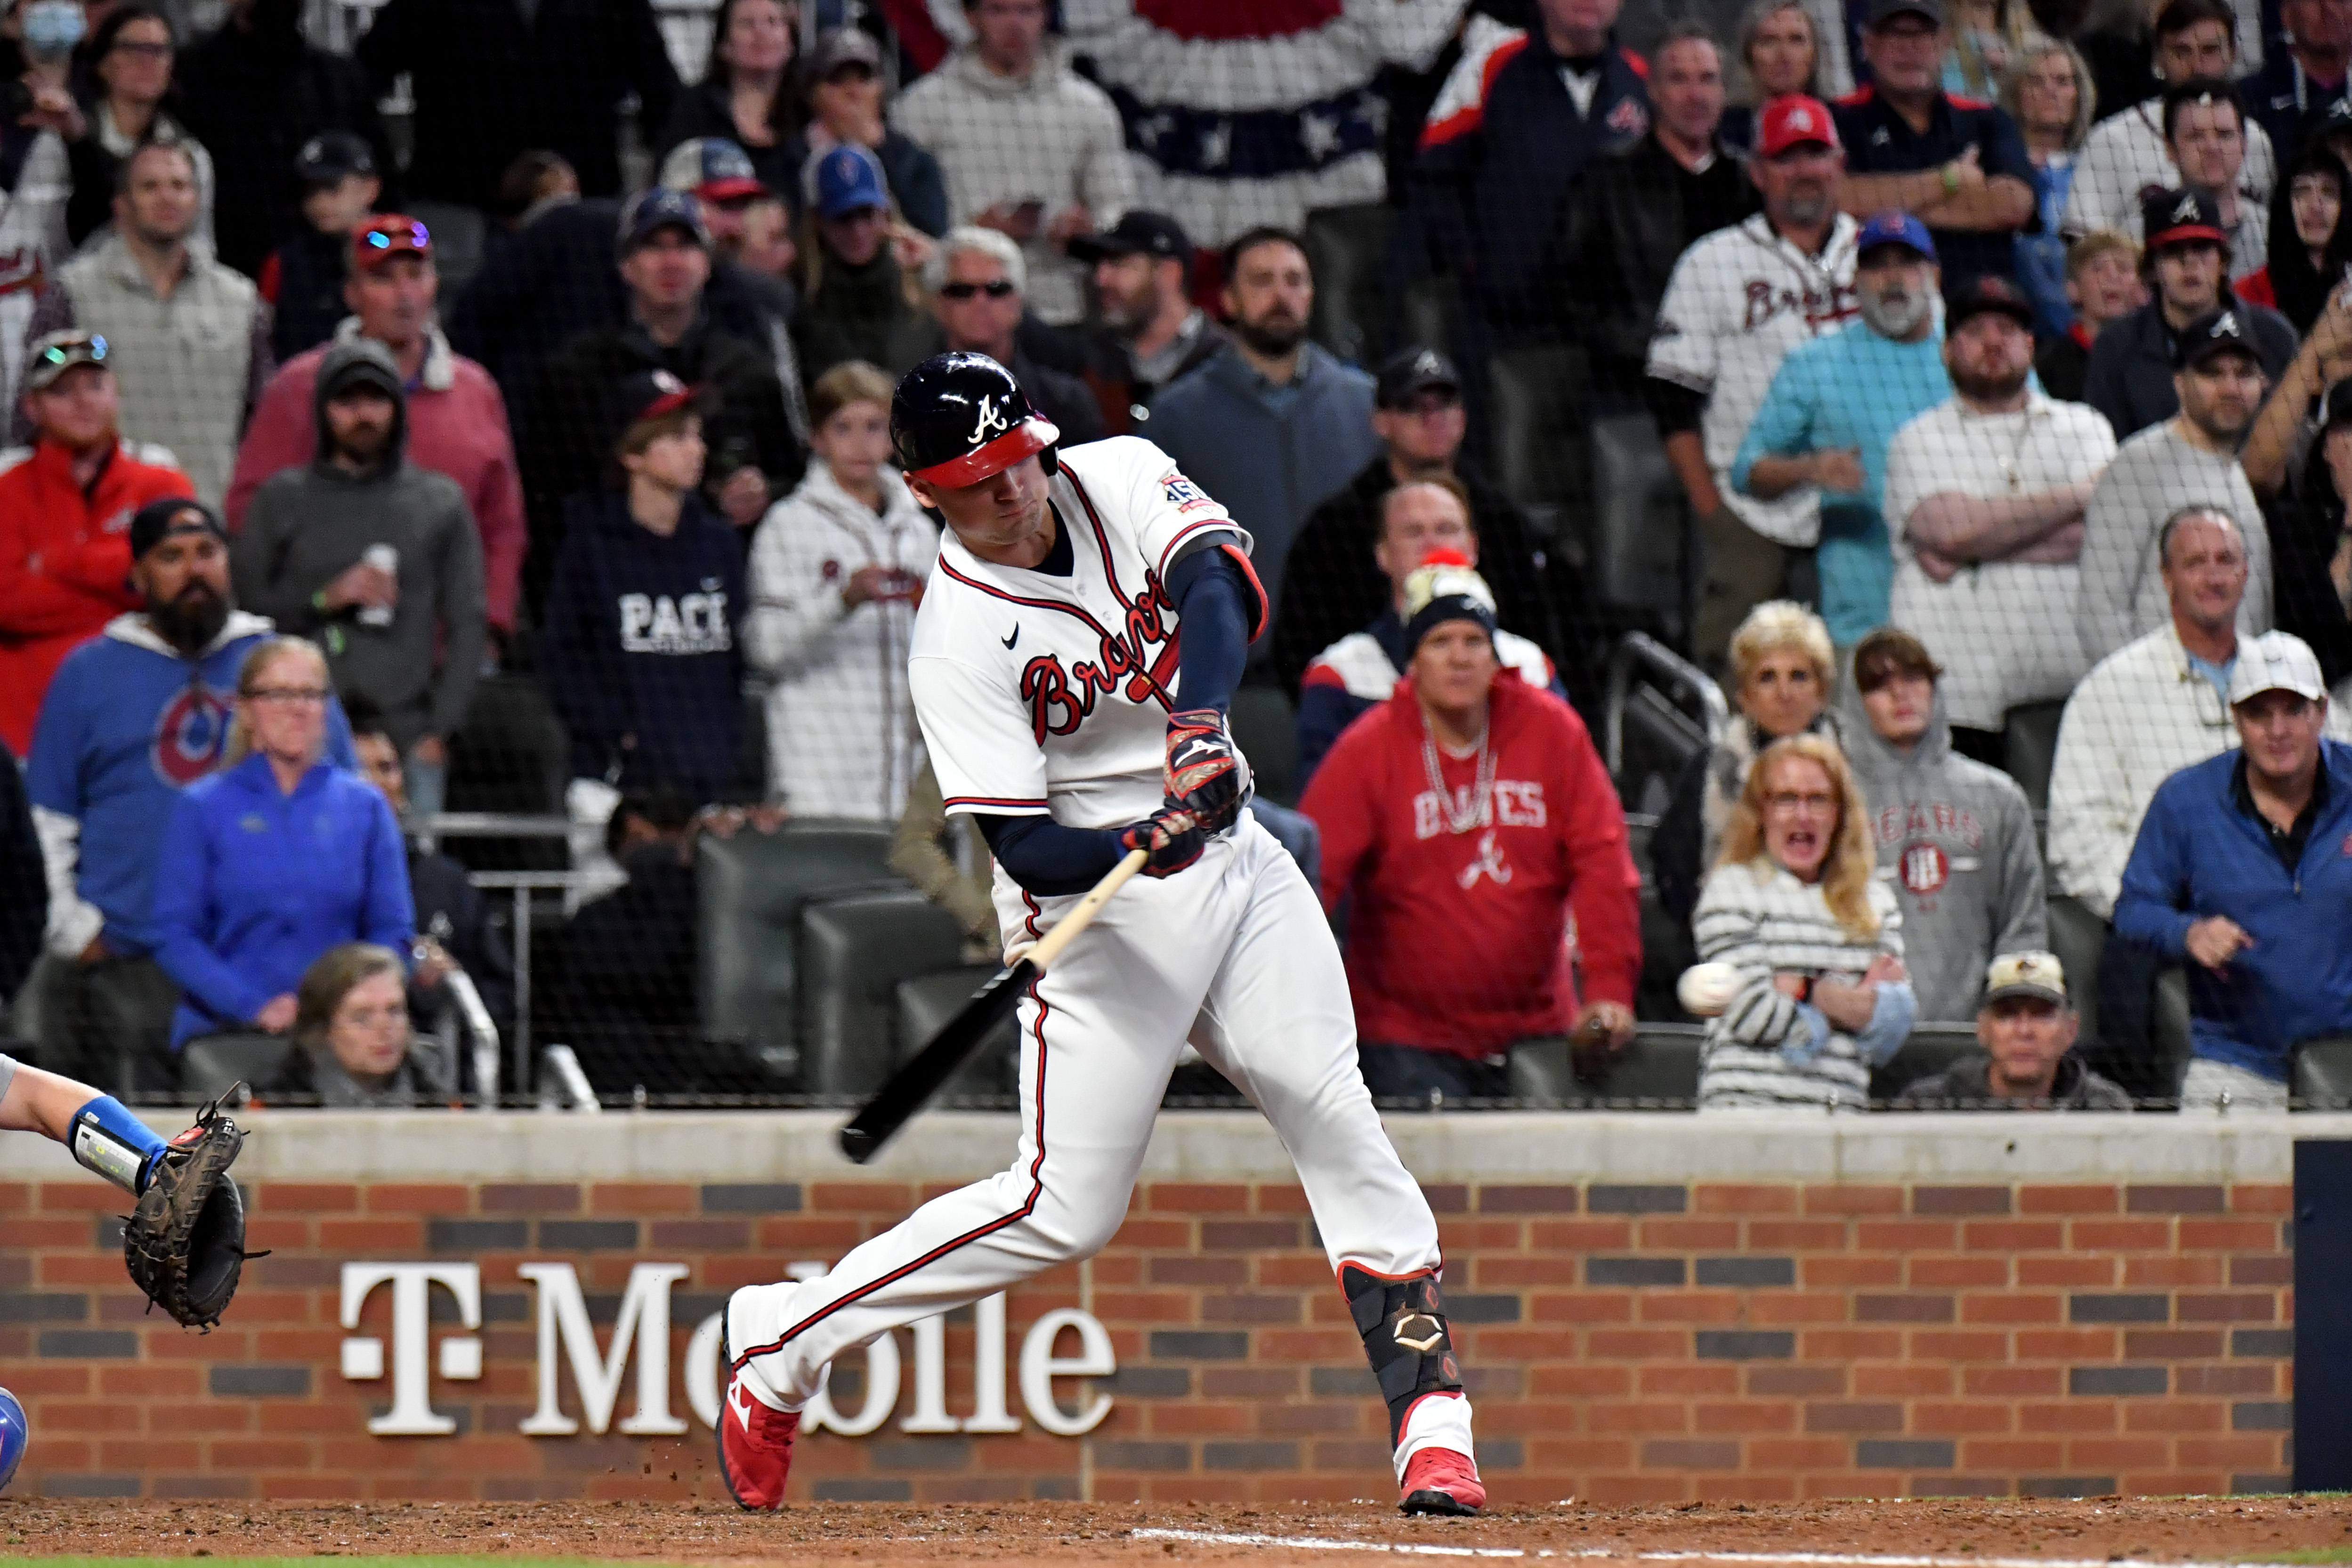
pixel 1214 598
pixel 98 1129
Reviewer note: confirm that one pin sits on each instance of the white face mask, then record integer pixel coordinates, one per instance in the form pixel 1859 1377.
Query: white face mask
pixel 52 28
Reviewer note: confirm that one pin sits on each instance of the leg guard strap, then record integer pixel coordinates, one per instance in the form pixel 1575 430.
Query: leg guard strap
pixel 1405 1337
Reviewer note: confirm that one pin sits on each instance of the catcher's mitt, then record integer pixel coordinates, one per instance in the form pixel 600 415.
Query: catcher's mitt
pixel 185 1244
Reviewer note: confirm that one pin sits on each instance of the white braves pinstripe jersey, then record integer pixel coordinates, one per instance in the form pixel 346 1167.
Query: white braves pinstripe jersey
pixel 1041 694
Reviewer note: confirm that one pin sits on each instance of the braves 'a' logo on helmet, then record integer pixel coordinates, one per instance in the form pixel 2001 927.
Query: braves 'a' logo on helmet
pixel 991 422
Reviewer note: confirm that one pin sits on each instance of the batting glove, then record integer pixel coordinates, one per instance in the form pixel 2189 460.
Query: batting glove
pixel 1203 773
pixel 1174 837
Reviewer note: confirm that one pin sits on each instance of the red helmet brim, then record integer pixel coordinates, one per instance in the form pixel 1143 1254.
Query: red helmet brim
pixel 1032 436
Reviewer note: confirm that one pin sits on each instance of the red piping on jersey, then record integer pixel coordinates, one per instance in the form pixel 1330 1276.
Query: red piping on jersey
pixel 995 800
pixel 1037 1190
pixel 1102 540
pixel 1032 434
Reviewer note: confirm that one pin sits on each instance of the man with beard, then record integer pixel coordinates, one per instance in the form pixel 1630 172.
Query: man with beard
pixel 1277 424
pixel 377 560
pixel 2130 379
pixel 1835 404
pixel 133 716
pixel 1739 300
pixel 1985 492
pixel 2190 460
pixel 65 565
pixel 1151 332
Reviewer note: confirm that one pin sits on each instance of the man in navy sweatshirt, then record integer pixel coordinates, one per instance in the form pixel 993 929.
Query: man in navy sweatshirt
pixel 2243 869
pixel 643 647
pixel 135 715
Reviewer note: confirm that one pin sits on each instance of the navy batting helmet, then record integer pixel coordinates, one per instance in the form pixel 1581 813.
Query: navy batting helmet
pixel 958 418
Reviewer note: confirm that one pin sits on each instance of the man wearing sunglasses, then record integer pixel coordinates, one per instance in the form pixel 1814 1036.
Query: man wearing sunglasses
pixel 65 505
pixel 975 282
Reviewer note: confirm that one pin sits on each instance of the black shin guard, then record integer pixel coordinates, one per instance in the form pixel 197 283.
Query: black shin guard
pixel 1405 1337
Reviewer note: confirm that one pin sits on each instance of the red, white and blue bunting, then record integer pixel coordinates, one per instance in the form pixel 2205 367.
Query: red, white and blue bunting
pixel 1240 111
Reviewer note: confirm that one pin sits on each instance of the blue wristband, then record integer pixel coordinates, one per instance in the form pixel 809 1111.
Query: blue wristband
pixel 106 1138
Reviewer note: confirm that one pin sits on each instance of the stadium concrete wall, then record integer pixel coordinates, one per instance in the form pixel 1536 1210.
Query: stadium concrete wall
pixel 1648 1308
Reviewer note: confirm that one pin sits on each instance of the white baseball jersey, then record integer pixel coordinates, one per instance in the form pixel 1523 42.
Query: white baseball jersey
pixel 1739 300
pixel 2125 154
pixel 1042 695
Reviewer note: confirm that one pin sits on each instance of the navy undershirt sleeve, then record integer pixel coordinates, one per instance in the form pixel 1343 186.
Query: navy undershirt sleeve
pixel 1048 859
pixel 1213 611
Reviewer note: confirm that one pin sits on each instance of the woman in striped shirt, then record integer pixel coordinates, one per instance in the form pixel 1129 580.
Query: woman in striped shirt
pixel 1794 906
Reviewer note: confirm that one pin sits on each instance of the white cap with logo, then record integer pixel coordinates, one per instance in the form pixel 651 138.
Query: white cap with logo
pixel 2276 661
pixel 2032 973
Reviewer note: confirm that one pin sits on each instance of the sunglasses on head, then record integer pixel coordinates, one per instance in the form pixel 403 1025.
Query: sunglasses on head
pixel 995 288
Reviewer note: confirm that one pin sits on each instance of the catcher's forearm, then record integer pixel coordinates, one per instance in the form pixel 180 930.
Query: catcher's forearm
pixel 104 1137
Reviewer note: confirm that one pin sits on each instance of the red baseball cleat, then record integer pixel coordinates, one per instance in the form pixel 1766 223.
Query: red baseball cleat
pixel 1439 1481
pixel 755 1444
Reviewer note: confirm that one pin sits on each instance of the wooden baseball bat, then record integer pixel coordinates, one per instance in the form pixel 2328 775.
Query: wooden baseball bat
pixel 912 1086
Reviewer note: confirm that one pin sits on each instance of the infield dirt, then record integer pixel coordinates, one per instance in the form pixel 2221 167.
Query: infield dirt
pixel 2260 1530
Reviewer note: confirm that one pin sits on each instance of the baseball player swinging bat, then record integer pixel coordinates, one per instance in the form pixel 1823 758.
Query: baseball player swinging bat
pixel 912 1086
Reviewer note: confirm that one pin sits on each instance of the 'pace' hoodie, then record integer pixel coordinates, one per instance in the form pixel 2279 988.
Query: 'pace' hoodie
pixel 1956 846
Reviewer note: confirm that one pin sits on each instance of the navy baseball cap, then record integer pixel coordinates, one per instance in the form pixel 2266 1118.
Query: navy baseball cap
pixel 2215 333
pixel 713 168
pixel 1412 371
pixel 2181 217
pixel 168 518
pixel 1137 233
pixel 657 209
pixel 1986 291
pixel 1895 228
pixel 651 395
pixel 1885 11
pixel 849 179
pixel 331 157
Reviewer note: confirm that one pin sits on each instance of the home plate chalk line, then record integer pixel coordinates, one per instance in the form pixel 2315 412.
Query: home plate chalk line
pixel 1807 1558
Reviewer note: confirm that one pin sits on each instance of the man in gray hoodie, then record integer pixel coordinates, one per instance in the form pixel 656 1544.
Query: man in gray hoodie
pixel 376 560
pixel 1955 838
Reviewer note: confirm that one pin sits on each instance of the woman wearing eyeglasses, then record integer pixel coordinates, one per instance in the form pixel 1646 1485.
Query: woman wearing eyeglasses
pixel 131 55
pixel 274 858
pixel 1794 904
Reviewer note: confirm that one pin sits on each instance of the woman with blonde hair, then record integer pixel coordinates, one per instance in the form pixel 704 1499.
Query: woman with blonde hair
pixel 1779 52
pixel 1782 671
pixel 1796 907
pixel 353 1049
pixel 274 858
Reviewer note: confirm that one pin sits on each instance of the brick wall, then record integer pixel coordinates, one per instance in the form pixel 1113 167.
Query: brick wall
pixel 1656 1341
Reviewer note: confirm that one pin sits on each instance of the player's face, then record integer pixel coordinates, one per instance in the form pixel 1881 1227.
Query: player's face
pixel 379 762
pixel 2205 567
pixel 995 516
pixel 1899 705
pixel 2280 731
pixel 1801 815
pixel 855 442
pixel 369 1032
pixel 1781 53
pixel 2209 144
pixel 2205 49
pixel 2025 1036
pixel 77 410
pixel 1783 693
pixel 1455 666
pixel 1417 520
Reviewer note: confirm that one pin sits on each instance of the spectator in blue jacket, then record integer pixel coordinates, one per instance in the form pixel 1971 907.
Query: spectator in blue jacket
pixel 2243 867
pixel 1274 425
pixel 275 859
pixel 134 715
pixel 643 652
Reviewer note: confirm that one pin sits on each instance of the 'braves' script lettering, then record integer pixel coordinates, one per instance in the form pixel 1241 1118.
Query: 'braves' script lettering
pixel 1060 698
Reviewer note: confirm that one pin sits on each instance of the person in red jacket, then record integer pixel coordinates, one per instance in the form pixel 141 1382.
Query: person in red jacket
pixel 66 504
pixel 457 418
pixel 1469 816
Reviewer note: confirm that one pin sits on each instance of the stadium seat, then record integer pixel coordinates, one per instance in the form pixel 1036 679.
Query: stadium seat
pixel 2030 736
pixel 2323 1073
pixel 2172 1031
pixel 2078 936
pixel 1349 249
pixel 1266 728
pixel 1537 424
pixel 855 949
pixel 1659 1069
pixel 924 1005
pixel 212 1065
pixel 751 889
pixel 1638 544
pixel 1932 1048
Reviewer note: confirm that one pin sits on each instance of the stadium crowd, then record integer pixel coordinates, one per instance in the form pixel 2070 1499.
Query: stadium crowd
pixel 1996 359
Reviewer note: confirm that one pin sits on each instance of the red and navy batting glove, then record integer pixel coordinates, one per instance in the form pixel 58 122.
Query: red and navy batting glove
pixel 1203 772
pixel 1174 837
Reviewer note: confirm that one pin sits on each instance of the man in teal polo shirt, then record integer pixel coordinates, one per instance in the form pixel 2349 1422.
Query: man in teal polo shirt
pixel 1834 404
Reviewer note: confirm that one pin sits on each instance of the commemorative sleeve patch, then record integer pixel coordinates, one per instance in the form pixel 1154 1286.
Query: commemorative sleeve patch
pixel 1183 493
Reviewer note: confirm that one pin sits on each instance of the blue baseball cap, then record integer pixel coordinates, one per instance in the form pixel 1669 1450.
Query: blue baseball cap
pixel 849 179
pixel 1895 228
pixel 657 209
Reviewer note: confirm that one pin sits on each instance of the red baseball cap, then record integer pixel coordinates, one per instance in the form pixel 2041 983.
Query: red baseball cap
pixel 388 235
pixel 1791 121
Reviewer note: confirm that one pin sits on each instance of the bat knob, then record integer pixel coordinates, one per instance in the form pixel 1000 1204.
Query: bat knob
pixel 857 1145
